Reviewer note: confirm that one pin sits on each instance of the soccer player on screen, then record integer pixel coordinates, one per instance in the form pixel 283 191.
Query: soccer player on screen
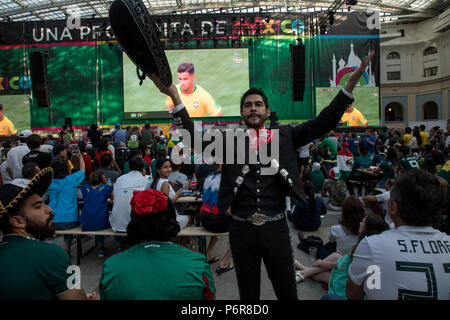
pixel 197 100
pixel 352 117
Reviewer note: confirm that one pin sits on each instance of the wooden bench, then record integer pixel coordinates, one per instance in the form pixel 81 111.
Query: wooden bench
pixel 191 231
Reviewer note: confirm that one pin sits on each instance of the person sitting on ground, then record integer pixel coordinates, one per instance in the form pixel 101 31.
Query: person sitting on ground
pixel 95 213
pixel 334 189
pixel 62 194
pixel 31 268
pixel 154 268
pixel 35 155
pixel 345 234
pixel 29 170
pixel 412 259
pixel 317 177
pixel 379 203
pixel 161 183
pixel 333 270
pixel 136 153
pixel 307 216
pixel 213 220
pixel 106 162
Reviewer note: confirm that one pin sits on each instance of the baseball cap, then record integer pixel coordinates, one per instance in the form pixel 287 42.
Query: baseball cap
pixel 345 145
pixel 25 133
pixel 117 125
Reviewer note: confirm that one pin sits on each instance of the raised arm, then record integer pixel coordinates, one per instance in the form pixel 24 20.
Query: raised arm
pixel 330 116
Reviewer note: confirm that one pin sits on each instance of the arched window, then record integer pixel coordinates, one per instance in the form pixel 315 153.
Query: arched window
pixel 430 50
pixel 393 55
pixel 393 112
pixel 430 110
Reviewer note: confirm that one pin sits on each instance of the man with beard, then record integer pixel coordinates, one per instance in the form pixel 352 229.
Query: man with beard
pixel 30 268
pixel 256 200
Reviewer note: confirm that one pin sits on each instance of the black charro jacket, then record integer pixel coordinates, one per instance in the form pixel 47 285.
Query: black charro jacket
pixel 290 139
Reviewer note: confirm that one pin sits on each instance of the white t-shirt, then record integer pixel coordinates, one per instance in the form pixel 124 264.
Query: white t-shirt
pixel 344 241
pixel 413 262
pixel 123 192
pixel 14 159
pixel 413 143
pixel 304 150
pixel 5 176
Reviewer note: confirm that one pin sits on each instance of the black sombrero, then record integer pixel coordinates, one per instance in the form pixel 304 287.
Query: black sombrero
pixel 11 196
pixel 139 38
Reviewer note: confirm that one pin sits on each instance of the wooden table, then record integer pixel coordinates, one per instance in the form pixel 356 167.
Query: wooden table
pixel 189 199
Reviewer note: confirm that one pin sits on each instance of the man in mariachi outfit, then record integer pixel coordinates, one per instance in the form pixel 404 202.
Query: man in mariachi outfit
pixel 257 202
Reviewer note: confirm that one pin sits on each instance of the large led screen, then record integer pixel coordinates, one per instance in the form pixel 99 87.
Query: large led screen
pixel 365 109
pixel 211 83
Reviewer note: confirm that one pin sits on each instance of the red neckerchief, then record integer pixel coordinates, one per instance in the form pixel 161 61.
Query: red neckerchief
pixel 261 136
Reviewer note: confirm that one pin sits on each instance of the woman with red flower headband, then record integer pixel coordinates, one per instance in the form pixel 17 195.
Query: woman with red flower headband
pixel 153 268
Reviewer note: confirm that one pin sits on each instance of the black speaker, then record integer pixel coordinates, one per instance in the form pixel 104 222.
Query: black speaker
pixel 39 85
pixel 298 71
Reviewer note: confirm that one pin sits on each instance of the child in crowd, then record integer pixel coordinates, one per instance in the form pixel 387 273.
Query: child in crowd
pixel 95 213
pixel 147 156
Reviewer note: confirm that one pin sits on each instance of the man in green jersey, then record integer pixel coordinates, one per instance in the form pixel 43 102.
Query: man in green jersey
pixel 31 269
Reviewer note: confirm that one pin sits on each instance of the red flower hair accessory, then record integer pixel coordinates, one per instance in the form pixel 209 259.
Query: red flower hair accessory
pixel 148 201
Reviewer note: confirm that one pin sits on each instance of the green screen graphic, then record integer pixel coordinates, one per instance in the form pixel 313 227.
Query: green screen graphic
pixel 366 101
pixel 224 73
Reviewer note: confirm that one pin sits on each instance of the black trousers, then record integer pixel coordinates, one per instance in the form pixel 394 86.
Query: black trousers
pixel 271 243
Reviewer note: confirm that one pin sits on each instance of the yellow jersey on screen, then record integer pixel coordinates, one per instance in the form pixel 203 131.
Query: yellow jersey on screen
pixel 198 104
pixel 353 118
pixel 6 127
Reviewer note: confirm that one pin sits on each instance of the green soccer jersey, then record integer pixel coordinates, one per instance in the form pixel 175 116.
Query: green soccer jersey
pixel 409 162
pixel 32 270
pixel 157 271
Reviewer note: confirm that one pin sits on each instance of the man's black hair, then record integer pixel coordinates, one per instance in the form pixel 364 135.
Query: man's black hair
pixel 34 141
pixel 403 150
pixel 419 197
pixel 106 160
pixel 408 130
pixel 29 170
pixel 254 91
pixel 134 153
pixel 137 164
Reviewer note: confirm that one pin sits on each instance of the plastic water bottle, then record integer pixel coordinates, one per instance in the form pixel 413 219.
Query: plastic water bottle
pixel 194 182
pixel 109 181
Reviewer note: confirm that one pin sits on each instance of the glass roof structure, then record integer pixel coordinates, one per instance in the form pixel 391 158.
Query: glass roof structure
pixel 390 10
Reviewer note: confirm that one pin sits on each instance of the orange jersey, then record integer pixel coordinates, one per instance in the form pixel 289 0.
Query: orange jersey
pixel 354 118
pixel 198 104
pixel 6 127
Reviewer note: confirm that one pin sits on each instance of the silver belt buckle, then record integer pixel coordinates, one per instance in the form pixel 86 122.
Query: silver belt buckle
pixel 258 219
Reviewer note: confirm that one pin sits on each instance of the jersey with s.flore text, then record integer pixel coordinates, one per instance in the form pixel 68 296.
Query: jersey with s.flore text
pixel 403 264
